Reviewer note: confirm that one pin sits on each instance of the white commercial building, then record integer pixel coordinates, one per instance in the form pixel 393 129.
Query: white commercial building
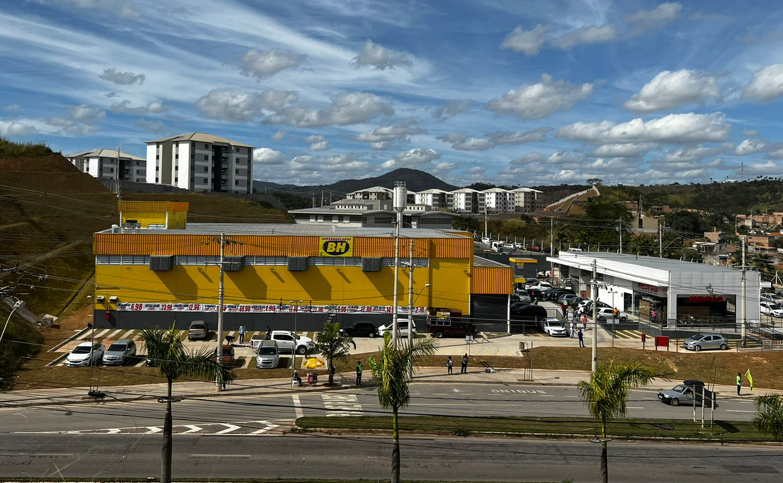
pixel 201 162
pixel 103 163
pixel 667 293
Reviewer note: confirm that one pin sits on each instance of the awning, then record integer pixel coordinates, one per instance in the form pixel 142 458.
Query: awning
pixel 522 260
pixel 520 280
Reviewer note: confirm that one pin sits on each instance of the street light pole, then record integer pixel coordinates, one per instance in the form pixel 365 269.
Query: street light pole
pixel 594 282
pixel 221 291
pixel 17 305
pixel 296 304
pixel 399 201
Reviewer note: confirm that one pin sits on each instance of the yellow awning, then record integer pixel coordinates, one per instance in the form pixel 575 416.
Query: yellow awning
pixel 520 280
pixel 522 260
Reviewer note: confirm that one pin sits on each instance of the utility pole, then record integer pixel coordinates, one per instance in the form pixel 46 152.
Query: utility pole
pixel 486 223
pixel 594 287
pixel 551 245
pixel 660 241
pixel 119 194
pixel 620 229
pixel 744 326
pixel 400 195
pixel 410 304
pixel 313 200
pixel 219 352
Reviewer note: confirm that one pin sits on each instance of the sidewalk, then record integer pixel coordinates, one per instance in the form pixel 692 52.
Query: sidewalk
pixel 249 387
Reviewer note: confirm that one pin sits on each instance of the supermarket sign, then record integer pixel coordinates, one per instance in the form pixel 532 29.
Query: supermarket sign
pixel 265 308
pixel 650 289
pixel 768 344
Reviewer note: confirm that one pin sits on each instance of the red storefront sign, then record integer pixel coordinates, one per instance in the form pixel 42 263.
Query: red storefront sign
pixel 706 299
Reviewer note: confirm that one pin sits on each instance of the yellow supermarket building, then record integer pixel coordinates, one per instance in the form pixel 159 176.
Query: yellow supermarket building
pixel 157 269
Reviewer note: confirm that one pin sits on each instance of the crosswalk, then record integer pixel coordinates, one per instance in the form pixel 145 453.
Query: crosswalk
pixel 626 334
pixel 276 427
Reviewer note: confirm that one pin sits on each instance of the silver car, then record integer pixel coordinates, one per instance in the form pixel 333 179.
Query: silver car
pixel 698 342
pixel 118 352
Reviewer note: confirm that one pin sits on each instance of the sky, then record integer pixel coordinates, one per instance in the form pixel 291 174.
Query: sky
pixel 509 92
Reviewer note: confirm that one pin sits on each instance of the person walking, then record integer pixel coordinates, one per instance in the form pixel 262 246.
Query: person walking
pixel 268 334
pixel 573 328
pixel 581 338
pixel 464 364
pixel 359 369
pixel 739 383
pixel 450 366
pixel 584 321
pixel 241 334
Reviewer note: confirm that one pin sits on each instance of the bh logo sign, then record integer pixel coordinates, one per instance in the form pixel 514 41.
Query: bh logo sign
pixel 336 247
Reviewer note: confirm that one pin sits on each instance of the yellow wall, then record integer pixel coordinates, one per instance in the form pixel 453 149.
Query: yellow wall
pixel 449 279
pixel 176 219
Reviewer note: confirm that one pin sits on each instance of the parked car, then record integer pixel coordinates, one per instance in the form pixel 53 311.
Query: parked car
pixel 685 393
pixel 540 285
pixel 288 342
pixel 119 352
pixel 553 327
pixel 85 354
pixel 521 296
pixel 450 328
pixel 698 342
pixel 563 294
pixel 535 293
pixel 256 340
pixel 360 329
pixel 198 330
pixel 771 309
pixel 605 313
pixel 771 297
pixel 533 249
pixel 528 312
pixel 402 325
pixel 227 357
pixel 267 355
pixel 554 293
pixel 570 299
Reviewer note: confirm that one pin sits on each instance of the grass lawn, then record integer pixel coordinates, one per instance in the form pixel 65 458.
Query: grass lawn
pixel 726 431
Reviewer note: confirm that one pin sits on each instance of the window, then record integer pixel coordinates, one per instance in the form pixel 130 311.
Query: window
pixel 206 169
pixel 346 219
pixel 176 180
pixel 176 156
pixel 176 168
pixel 335 219
pixel 236 182
pixel 206 157
pixel 206 181
pixel 157 168
pixel 236 171
pixel 320 218
pixel 157 156
pixel 111 170
pixel 312 218
pixel 206 146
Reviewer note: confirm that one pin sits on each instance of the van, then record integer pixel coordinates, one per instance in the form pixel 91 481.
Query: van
pixel 497 246
pixel 267 355
pixel 576 250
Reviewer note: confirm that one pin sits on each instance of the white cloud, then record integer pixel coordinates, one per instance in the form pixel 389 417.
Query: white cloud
pixel 12 108
pixel 671 89
pixel 586 35
pixel 123 8
pixel 237 105
pixel 384 137
pixel 675 128
pixel 766 85
pixel 762 169
pixel 462 142
pixel 155 127
pixel 413 158
pixel 645 20
pixel 122 78
pixel 278 136
pixel 15 128
pixel 527 41
pixel 266 63
pixel 751 146
pixel 154 107
pixel 267 156
pixel 451 109
pixel 694 153
pixel 477 171
pixel 346 109
pixel 379 57
pixel 320 146
pixel 564 157
pixel 84 113
pixel 444 168
pixel 539 100
pixel 749 132
pixel 340 163
pixel 79 120
pixel 628 150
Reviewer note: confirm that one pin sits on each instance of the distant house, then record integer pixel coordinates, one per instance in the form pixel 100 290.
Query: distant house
pixel 372 213
pixel 715 236
pixel 104 163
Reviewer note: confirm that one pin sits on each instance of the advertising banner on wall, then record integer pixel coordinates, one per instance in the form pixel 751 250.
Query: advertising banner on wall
pixel 335 246
pixel 266 308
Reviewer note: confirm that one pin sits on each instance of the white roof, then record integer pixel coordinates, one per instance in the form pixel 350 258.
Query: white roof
pixel 104 153
pixel 433 191
pixel 279 229
pixel 465 190
pixel 374 189
pixel 495 190
pixel 525 190
pixel 201 138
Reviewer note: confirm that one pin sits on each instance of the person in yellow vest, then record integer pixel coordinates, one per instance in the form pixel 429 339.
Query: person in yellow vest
pixel 739 383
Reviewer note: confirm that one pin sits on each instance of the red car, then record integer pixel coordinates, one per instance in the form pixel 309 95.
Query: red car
pixel 228 354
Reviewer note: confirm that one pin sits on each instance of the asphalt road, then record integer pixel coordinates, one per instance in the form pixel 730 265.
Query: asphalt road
pixel 72 456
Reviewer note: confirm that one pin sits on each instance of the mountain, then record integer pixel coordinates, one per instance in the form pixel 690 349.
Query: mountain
pixel 415 180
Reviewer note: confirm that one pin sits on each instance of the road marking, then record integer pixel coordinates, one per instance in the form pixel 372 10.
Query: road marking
pixel 153 430
pixel 738 411
pixel 221 456
pixel 127 335
pixel 546 395
pixel 229 428
pixel 268 427
pixel 518 391
pixel 297 406
pixel 192 429
pixel 573 396
pixel 344 404
pixel 634 407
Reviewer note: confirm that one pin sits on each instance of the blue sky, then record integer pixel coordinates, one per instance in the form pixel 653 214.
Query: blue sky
pixel 509 92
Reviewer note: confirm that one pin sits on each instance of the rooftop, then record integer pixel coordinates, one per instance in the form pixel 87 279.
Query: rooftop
pixel 667 264
pixel 103 153
pixel 279 229
pixel 201 138
pixel 486 262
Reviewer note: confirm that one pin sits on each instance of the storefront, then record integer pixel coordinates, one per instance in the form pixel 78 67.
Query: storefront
pixel 663 291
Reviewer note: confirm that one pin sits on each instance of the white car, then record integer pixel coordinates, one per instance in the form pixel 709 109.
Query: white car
pixel 554 327
pixel 287 341
pixel 772 309
pixel 402 325
pixel 605 313
pixel 85 354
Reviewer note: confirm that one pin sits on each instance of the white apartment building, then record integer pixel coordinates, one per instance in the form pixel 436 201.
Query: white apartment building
pixel 103 163
pixel 527 200
pixel 378 193
pixel 437 199
pixel 201 162
pixel 498 200
pixel 467 200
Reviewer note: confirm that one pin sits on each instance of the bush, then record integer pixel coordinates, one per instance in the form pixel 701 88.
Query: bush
pixel 10 149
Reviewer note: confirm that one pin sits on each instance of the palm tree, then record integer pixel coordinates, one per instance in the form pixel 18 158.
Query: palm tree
pixel 393 378
pixel 334 345
pixel 769 415
pixel 166 351
pixel 606 393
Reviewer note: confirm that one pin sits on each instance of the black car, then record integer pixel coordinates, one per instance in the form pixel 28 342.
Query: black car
pixel 528 312
pixel 360 329
pixel 553 293
pixel 535 294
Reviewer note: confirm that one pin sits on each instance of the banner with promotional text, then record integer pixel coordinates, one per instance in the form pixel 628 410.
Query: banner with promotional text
pixel 265 308
pixel 335 246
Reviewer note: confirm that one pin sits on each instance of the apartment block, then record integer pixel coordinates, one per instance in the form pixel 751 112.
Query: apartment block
pixel 104 163
pixel 527 200
pixel 437 199
pixel 201 162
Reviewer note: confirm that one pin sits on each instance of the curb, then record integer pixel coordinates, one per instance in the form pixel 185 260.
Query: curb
pixel 69 339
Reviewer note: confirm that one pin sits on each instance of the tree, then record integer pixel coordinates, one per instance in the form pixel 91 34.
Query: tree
pixel 763 263
pixel 166 351
pixel 393 377
pixel 606 394
pixel 769 415
pixel 334 345
pixel 594 181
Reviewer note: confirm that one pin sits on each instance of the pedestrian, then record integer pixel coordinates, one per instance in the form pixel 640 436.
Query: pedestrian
pixel 573 328
pixel 268 334
pixel 739 383
pixel 581 339
pixel 241 334
pixel 584 321
pixel 359 369
pixel 464 364
pixel 450 366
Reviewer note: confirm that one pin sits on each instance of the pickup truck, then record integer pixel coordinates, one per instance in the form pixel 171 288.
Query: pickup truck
pixel 288 342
